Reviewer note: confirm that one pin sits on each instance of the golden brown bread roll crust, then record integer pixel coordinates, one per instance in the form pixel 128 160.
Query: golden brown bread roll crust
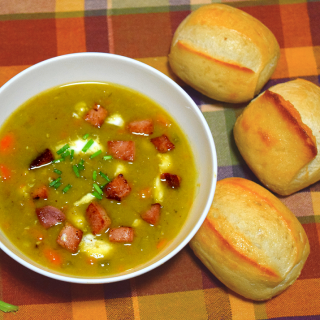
pixel 278 136
pixel 224 53
pixel 250 240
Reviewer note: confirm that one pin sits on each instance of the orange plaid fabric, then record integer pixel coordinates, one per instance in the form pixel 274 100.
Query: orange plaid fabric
pixel 182 288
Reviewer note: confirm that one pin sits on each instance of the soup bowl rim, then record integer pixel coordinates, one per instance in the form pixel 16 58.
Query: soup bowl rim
pixel 172 88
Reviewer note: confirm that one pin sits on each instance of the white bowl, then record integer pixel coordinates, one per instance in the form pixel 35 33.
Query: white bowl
pixel 150 82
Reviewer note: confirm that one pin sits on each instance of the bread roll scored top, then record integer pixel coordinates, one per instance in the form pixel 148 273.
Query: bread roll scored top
pixel 250 240
pixel 224 53
pixel 278 136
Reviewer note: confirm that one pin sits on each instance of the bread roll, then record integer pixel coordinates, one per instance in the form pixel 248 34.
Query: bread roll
pixel 250 240
pixel 278 136
pixel 223 52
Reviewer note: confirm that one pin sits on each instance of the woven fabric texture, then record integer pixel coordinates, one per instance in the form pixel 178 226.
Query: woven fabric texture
pixel 34 30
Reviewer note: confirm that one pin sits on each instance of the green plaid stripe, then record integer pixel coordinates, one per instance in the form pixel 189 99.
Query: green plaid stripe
pixel 32 31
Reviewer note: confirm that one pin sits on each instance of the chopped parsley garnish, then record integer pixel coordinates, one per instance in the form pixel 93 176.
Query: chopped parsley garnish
pixel 58 160
pixel 66 188
pixel 97 188
pixel 63 149
pixel 76 170
pixel 87 145
pixel 54 182
pixel 97 195
pixel 95 154
pixel 80 165
pixel 104 176
pixel 57 171
pixel 65 154
pixel 6 307
pixel 57 185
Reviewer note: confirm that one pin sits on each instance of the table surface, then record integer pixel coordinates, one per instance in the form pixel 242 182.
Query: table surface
pixel 182 288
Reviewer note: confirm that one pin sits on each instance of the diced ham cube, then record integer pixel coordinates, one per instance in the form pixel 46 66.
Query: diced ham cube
pixel 141 127
pixel 124 150
pixel 152 215
pixel 97 217
pixel 96 115
pixel 40 193
pixel 117 189
pixel 45 158
pixel 49 216
pixel 162 144
pixel 121 234
pixel 172 180
pixel 70 237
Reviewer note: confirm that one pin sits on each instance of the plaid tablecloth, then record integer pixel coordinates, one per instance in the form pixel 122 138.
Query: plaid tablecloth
pixel 34 30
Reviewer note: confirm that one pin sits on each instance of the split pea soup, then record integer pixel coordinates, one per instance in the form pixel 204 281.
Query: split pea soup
pixel 96 179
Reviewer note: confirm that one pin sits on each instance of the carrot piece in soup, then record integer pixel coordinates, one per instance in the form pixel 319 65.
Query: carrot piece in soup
pixel 161 243
pixel 172 180
pixel 152 215
pixel 117 189
pixel 40 193
pixel 162 120
pixel 52 256
pixel 145 193
pixel 163 144
pixel 49 216
pixel 123 150
pixel 7 143
pixel 43 159
pixel 5 172
pixel 96 115
pixel 121 268
pixel 97 217
pixel 70 237
pixel 141 127
pixel 36 234
pixel 91 261
pixel 121 234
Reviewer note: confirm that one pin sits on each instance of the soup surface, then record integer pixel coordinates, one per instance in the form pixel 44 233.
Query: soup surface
pixel 95 179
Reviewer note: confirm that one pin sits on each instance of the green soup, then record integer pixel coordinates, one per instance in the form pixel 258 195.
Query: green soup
pixel 54 119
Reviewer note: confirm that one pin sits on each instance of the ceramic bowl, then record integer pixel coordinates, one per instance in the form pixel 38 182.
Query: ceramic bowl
pixel 150 82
